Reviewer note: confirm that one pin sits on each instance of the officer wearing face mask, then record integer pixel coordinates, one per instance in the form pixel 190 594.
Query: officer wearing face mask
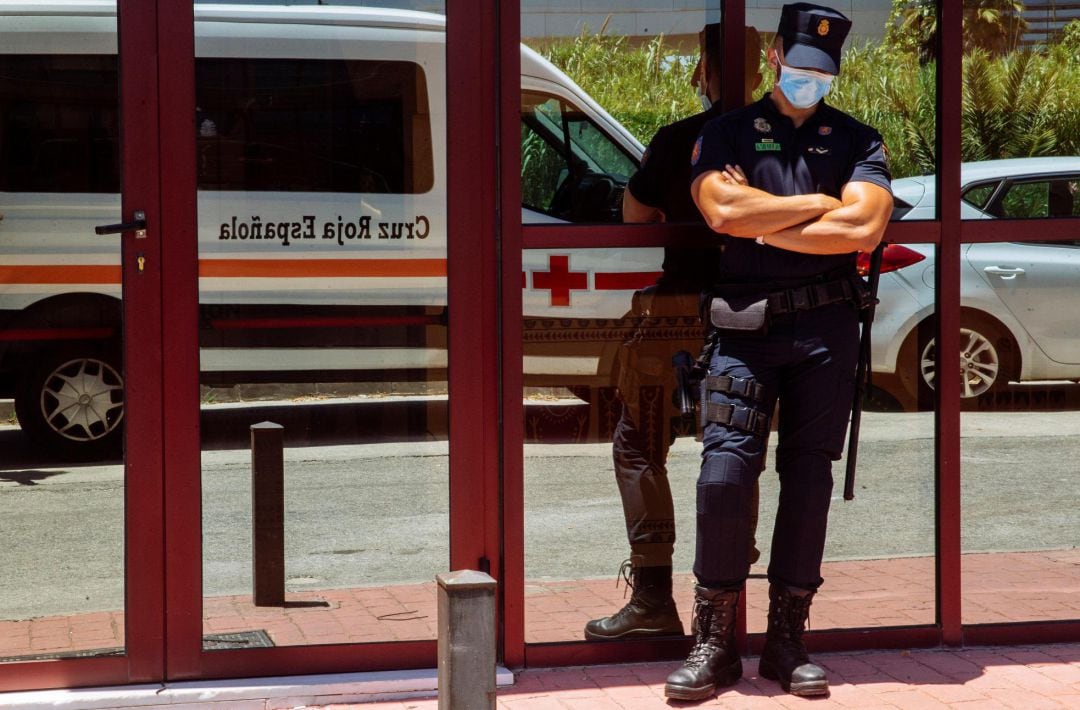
pixel 668 317
pixel 797 189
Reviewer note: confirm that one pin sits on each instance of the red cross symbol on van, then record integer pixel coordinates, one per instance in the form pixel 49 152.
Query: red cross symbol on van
pixel 560 280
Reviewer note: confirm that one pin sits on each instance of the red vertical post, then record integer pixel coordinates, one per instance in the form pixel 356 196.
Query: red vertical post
pixel 734 24
pixel 732 97
pixel 512 499
pixel 947 288
pixel 472 111
pixel 143 455
pixel 180 309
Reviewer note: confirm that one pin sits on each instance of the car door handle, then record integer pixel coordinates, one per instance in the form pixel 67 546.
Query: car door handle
pixel 1009 272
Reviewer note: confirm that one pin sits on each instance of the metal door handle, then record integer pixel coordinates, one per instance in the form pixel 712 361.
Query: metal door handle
pixel 138 225
pixel 1004 270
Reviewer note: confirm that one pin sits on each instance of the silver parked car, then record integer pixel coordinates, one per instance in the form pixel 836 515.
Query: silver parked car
pixel 1017 322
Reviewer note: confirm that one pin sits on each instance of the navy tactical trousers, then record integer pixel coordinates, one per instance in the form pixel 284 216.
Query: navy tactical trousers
pixel 807 360
pixel 640 453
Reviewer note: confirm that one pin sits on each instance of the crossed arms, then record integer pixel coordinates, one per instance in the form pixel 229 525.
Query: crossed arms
pixel 810 224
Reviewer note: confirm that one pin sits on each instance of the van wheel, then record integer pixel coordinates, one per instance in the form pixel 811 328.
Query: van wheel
pixel 987 361
pixel 72 402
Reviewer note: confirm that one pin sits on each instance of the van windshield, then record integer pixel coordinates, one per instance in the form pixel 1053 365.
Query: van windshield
pixel 570 168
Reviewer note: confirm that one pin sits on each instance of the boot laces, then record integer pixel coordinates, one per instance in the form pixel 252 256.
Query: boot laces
pixel 705 645
pixel 627 574
pixel 790 625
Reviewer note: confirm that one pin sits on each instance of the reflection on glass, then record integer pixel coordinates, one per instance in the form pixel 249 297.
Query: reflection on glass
pixel 322 252
pixel 1019 494
pixel 584 506
pixel 600 343
pixel 1020 79
pixel 61 381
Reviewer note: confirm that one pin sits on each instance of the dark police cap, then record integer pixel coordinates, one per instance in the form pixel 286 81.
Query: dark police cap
pixel 813 36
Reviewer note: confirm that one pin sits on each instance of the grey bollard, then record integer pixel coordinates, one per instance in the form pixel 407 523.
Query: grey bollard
pixel 268 514
pixel 466 641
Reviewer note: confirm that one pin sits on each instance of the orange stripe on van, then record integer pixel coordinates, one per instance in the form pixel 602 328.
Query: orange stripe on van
pixel 315 268
pixel 60 274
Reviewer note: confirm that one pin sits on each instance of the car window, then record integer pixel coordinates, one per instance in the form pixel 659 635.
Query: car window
pixel 312 125
pixel 1041 198
pixel 570 168
pixel 979 195
pixel 542 169
pixel 59 124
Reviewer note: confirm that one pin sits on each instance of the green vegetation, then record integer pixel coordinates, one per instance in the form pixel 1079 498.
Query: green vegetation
pixel 644 87
pixel 1015 104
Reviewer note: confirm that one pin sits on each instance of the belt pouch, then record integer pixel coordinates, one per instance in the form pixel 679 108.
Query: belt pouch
pixel 746 315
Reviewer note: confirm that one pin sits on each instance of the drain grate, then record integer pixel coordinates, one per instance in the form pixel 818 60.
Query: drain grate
pixel 240 639
pixel 211 642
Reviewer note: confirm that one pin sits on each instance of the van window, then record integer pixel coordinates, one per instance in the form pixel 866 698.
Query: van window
pixel 292 125
pixel 570 168
pixel 59 123
pixel 307 125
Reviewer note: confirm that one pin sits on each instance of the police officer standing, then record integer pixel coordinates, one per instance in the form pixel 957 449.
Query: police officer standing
pixel 660 192
pixel 798 188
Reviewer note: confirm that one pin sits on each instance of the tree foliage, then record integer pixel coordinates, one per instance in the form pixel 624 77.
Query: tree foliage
pixel 1016 104
pixel 994 26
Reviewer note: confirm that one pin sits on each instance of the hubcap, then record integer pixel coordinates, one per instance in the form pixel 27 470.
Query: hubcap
pixel 83 399
pixel 979 364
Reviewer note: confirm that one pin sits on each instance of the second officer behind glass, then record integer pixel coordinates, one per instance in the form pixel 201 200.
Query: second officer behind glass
pixel 667 313
pixel 797 188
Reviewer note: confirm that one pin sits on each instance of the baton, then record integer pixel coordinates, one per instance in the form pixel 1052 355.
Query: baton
pixel 862 372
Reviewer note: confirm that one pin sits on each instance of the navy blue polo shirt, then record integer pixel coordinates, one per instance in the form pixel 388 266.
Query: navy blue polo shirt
pixel 828 151
pixel 663 182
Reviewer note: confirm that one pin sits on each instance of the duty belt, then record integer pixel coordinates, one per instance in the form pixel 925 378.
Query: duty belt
pixel 803 298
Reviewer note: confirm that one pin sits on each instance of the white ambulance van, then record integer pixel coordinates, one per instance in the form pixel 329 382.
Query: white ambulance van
pixel 322 208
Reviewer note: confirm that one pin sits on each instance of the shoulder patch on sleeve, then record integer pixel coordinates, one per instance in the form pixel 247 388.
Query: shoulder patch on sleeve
pixel 696 155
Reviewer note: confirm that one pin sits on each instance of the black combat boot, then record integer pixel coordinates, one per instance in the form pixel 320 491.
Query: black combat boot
pixel 650 611
pixel 784 656
pixel 713 661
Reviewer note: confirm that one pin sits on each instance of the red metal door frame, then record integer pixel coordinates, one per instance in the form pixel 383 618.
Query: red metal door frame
pixel 474 453
pixel 143 660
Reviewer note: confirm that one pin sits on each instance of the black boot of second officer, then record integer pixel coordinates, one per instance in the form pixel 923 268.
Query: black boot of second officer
pixel 784 657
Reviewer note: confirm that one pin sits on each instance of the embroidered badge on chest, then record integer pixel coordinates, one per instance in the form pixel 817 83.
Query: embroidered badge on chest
pixel 818 150
pixel 824 130
pixel 762 126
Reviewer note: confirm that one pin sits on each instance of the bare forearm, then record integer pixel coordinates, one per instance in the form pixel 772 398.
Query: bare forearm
pixel 857 226
pixel 743 211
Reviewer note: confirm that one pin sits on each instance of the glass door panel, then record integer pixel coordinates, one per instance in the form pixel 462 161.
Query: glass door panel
pixel 320 137
pixel 62 370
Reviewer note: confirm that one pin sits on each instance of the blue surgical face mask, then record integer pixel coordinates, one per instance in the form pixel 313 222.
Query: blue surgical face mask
pixel 803 88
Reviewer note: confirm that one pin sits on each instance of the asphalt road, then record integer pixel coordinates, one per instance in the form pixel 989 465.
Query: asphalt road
pixel 369 514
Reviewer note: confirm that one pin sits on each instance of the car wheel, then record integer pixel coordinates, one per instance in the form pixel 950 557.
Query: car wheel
pixel 987 361
pixel 72 403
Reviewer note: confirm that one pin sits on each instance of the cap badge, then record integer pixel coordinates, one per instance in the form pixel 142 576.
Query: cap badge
pixel 762 126
pixel 822 131
pixel 823 28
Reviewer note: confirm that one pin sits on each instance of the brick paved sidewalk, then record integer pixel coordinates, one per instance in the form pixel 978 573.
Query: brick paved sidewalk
pixel 1011 586
pixel 978 678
